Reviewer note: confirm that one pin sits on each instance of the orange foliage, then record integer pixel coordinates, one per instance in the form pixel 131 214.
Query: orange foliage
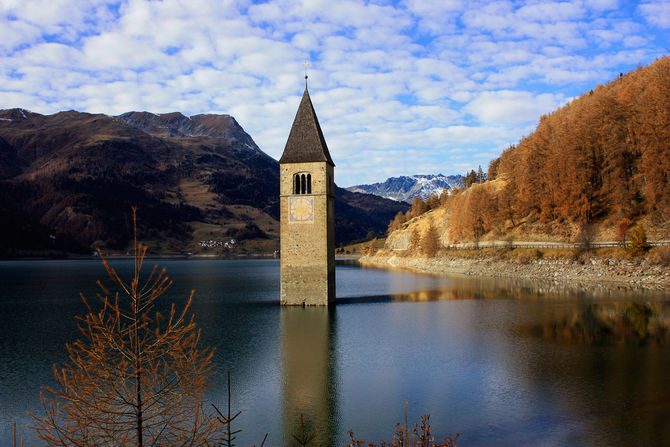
pixel 430 242
pixel 603 155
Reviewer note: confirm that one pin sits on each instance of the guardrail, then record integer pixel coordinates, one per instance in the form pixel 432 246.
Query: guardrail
pixel 513 244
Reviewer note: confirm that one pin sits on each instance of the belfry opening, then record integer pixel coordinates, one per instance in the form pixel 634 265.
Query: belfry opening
pixel 302 183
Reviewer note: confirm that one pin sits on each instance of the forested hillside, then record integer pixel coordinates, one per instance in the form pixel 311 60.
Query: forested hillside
pixel 601 158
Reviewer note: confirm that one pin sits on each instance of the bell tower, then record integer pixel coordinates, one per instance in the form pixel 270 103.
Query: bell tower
pixel 307 219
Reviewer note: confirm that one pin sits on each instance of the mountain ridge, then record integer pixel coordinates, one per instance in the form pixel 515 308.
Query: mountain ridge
pixel 406 187
pixel 74 176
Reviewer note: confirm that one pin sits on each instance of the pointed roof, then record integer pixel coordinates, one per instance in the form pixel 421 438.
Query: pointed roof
pixel 305 142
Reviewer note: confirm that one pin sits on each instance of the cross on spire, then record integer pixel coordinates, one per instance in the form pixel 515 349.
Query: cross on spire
pixel 305 65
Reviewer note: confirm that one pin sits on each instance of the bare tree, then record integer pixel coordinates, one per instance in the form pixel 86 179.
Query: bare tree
pixel 622 231
pixel 135 377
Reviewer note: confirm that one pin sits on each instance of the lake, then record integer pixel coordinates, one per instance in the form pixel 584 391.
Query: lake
pixel 500 362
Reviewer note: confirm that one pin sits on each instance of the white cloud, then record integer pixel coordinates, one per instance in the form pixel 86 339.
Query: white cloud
pixel 551 11
pixel 512 106
pixel 656 12
pixel 14 33
pixel 413 85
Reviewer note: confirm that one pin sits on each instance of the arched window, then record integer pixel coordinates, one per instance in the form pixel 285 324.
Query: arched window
pixel 302 183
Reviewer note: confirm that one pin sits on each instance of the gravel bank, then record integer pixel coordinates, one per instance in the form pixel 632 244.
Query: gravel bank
pixel 636 274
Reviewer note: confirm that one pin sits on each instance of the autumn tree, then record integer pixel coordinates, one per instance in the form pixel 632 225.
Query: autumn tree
pixel 506 204
pixel 430 242
pixel 601 155
pixel 651 118
pixel 368 248
pixel 638 241
pixel 414 239
pixel 585 237
pixel 418 206
pixel 433 202
pixel 622 231
pixel 397 222
pixel 136 377
pixel 492 172
pixel 444 195
pixel 474 213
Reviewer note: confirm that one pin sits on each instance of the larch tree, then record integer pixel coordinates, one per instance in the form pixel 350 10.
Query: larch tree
pixel 601 157
pixel 492 172
pixel 638 241
pixel 418 206
pixel 135 377
pixel 430 242
pixel 414 239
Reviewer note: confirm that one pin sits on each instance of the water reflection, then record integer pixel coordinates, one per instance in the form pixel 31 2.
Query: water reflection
pixel 601 374
pixel 308 388
pixel 469 288
pixel 630 323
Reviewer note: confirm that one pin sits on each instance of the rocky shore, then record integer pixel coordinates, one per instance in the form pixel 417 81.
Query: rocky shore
pixel 633 273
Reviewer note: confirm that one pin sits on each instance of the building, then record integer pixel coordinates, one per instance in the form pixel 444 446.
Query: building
pixel 307 221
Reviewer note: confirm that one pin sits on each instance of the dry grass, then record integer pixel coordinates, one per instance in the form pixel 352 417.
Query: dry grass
pixel 406 436
pixel 198 194
pixel 659 256
pixel 355 249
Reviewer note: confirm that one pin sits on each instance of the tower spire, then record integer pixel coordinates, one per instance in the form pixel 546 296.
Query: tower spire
pixel 305 141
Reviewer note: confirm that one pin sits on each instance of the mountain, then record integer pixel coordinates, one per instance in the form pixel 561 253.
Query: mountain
pixel 406 188
pixel 68 181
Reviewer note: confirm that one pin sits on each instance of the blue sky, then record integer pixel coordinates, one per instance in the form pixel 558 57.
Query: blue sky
pixel 415 87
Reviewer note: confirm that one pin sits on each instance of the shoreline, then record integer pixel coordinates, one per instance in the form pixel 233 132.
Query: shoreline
pixel 638 274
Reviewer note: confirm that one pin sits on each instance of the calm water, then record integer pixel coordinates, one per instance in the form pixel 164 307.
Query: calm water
pixel 501 363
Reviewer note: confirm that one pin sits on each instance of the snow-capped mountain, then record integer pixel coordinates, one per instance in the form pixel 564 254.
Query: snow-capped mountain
pixel 406 188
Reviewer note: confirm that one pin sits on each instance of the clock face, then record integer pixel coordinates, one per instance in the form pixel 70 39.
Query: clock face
pixel 301 209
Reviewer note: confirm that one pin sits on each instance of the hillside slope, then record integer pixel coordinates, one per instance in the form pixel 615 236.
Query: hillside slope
pixel 68 180
pixel 602 158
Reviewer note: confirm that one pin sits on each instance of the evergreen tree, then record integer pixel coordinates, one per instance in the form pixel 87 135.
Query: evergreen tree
pixel 470 179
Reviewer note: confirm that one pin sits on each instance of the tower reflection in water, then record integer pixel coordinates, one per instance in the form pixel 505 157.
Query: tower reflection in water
pixel 308 371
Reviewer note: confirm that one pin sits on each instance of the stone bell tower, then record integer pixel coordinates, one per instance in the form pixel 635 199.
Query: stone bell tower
pixel 306 197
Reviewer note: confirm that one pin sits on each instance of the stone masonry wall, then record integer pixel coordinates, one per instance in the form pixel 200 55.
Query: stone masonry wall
pixel 307 248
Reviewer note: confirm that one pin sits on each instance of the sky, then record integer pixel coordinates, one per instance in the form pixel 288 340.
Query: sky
pixel 400 87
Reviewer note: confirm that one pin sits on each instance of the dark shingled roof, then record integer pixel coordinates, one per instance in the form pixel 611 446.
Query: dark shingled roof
pixel 305 142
